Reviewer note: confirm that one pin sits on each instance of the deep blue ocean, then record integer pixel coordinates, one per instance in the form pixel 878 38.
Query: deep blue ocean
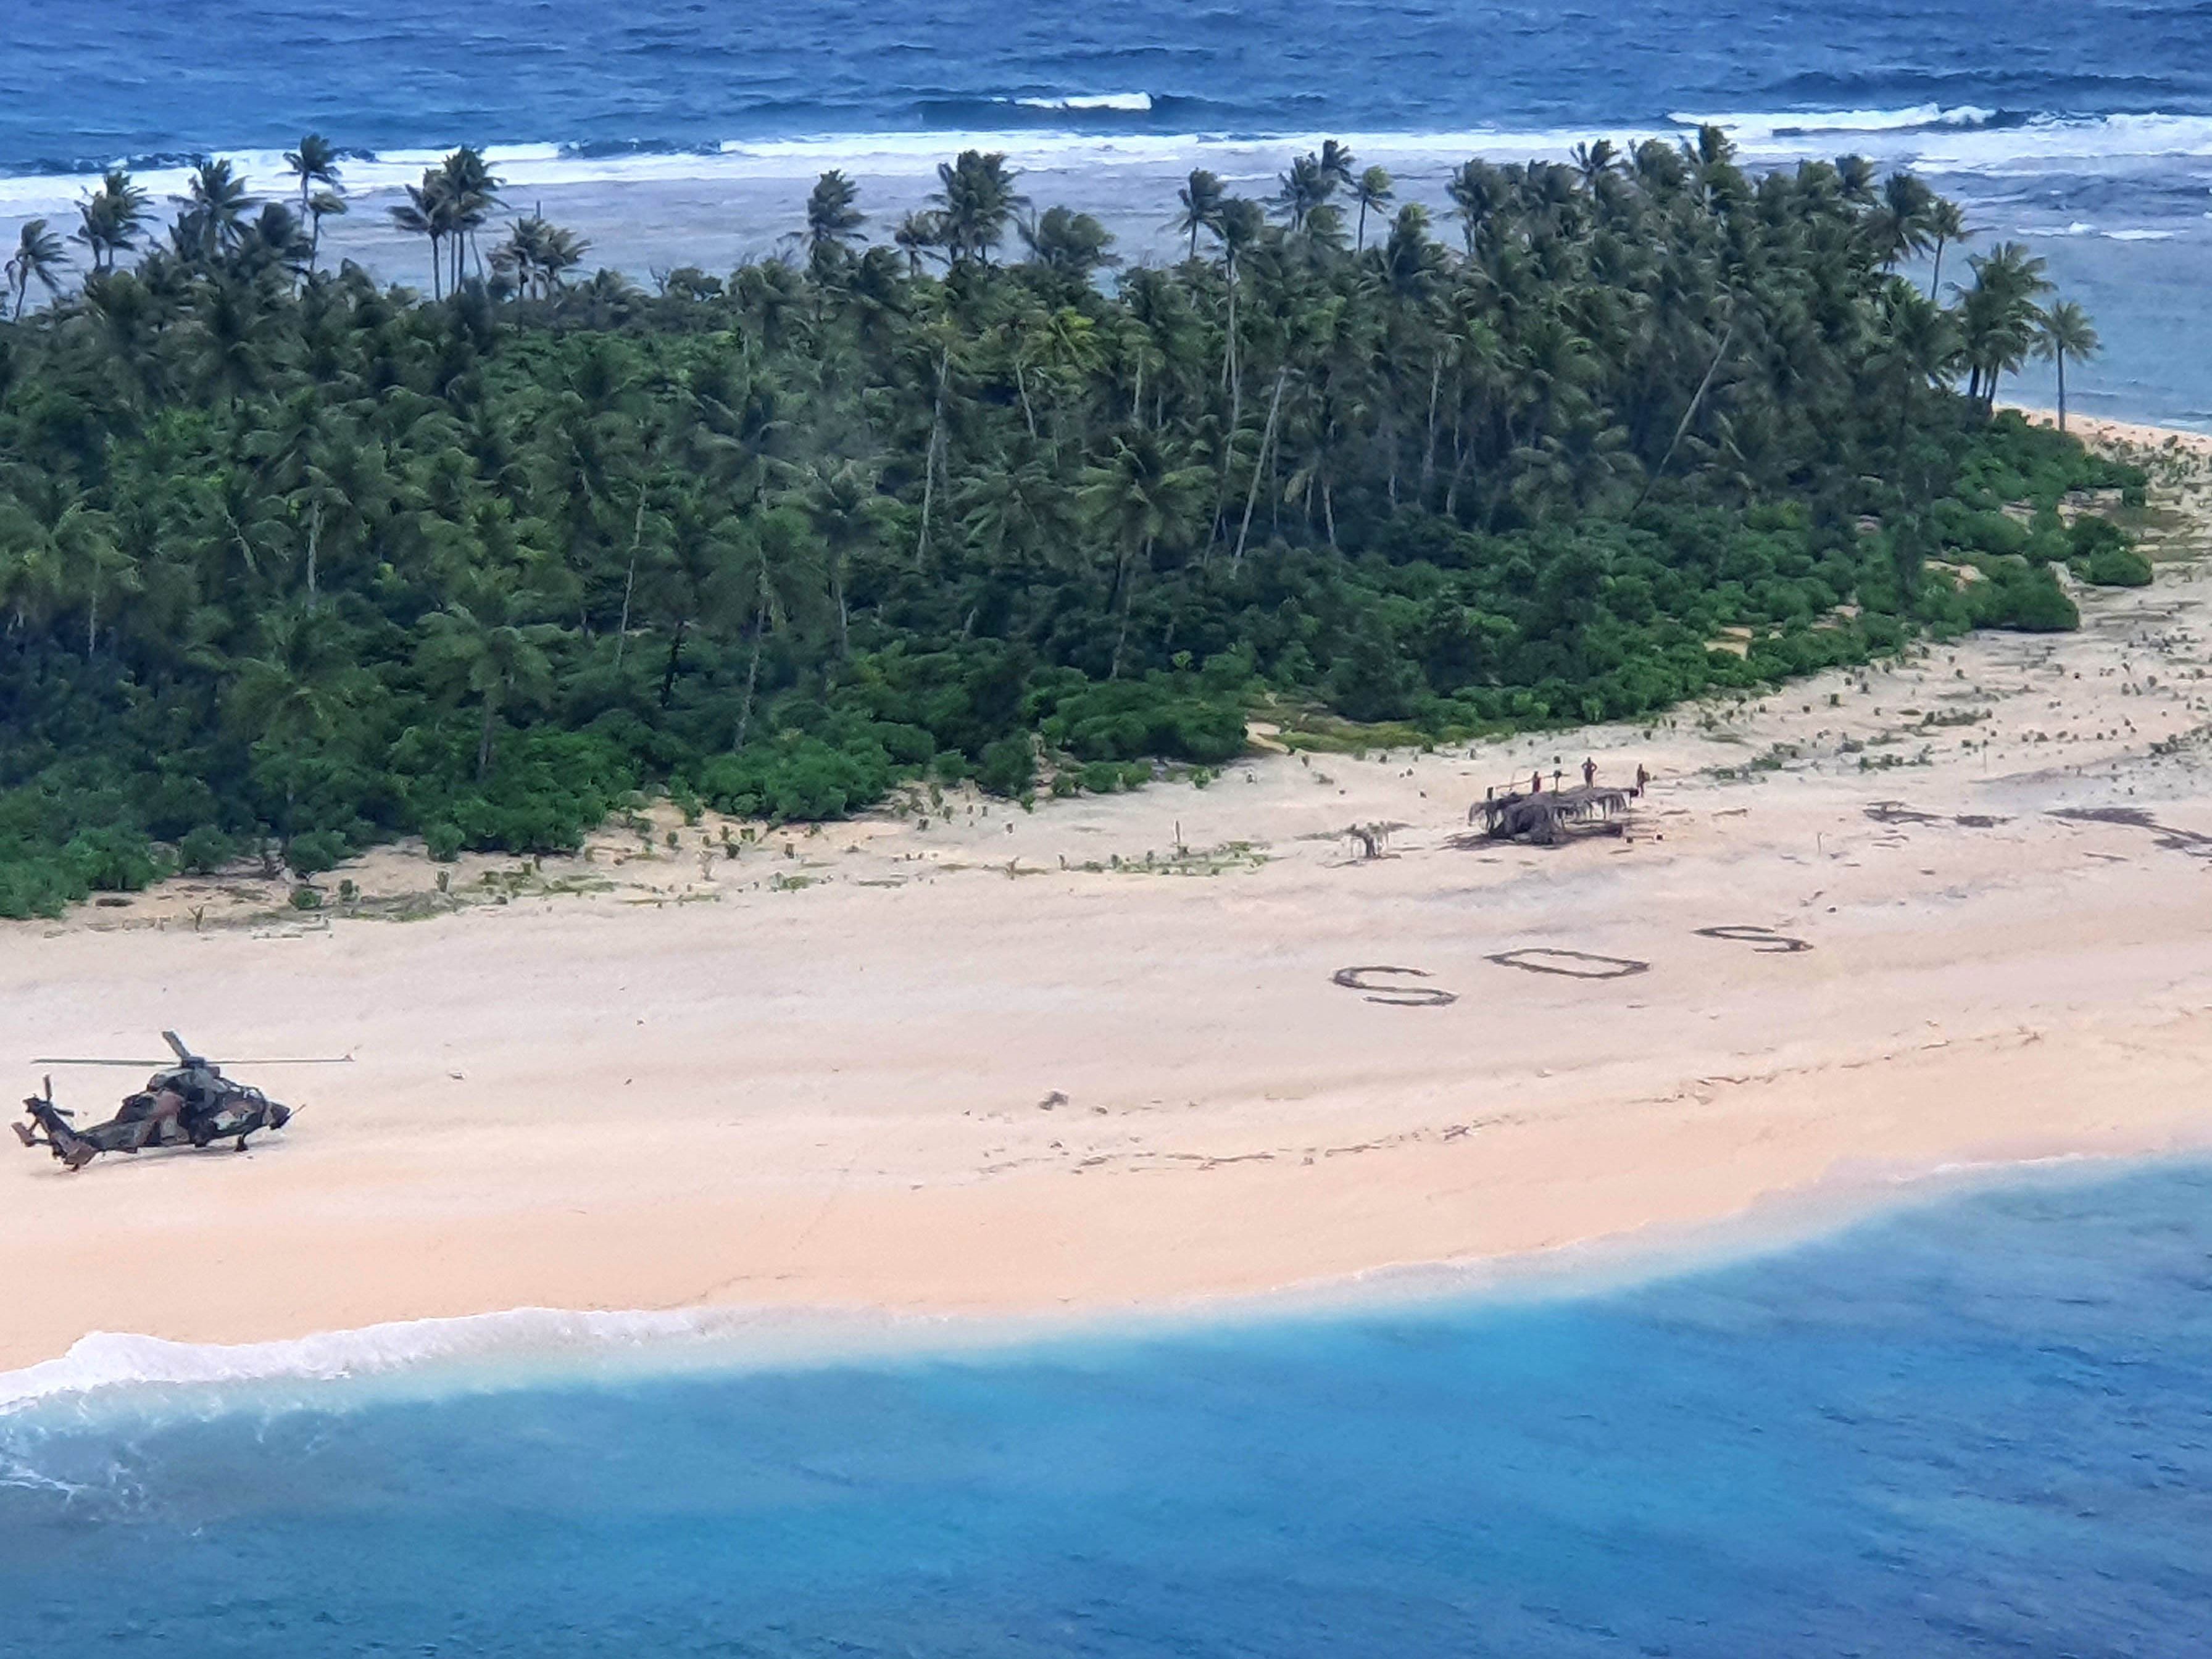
pixel 685 131
pixel 1980 1426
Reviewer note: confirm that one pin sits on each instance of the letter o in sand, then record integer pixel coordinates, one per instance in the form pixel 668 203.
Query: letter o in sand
pixel 1573 964
pixel 1393 996
pixel 1764 940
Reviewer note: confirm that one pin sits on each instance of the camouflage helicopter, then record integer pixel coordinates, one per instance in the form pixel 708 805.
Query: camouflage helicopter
pixel 189 1104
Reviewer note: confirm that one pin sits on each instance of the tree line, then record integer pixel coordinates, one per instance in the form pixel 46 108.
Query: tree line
pixel 291 561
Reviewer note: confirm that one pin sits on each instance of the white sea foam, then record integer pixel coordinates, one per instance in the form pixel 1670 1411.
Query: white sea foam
pixel 1135 103
pixel 1754 127
pixel 108 1359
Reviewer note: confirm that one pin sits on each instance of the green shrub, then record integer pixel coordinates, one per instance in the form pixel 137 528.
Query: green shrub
pixel 2119 567
pixel 2090 534
pixel 306 898
pixel 205 850
pixel 312 854
pixel 1101 777
pixel 37 887
pixel 1174 717
pixel 443 840
pixel 1009 766
pixel 113 860
pixel 2025 599
pixel 796 776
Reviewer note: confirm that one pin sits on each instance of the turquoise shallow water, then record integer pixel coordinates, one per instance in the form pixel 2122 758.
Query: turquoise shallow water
pixel 1980 1427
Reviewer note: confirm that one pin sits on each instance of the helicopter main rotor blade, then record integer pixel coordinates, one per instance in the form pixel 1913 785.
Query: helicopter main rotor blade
pixel 319 1059
pixel 57 1060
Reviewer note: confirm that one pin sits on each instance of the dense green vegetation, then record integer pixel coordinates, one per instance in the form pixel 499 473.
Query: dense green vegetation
pixel 290 561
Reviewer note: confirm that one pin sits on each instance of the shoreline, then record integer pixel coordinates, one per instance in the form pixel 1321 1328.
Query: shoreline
pixel 504 1349
pixel 691 1085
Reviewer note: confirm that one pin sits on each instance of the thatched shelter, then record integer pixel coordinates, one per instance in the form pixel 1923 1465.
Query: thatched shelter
pixel 1545 817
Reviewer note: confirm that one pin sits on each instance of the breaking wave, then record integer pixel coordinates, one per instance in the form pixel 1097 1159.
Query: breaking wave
pixel 1133 103
pixel 106 1359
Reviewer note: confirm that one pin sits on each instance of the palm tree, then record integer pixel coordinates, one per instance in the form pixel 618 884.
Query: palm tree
pixel 916 235
pixel 482 650
pixel 2063 331
pixel 470 192
pixel 1594 160
pixel 1141 496
pixel 832 220
pixel 215 204
pixel 315 164
pixel 111 218
pixel 38 256
pixel 1372 190
pixel 1944 222
pixel 842 504
pixel 1201 195
pixel 773 569
pixel 1298 193
pixel 424 213
pixel 976 200
pixel 323 204
pixel 1901 226
pixel 1477 193
pixel 1072 244
pixel 1336 164
pixel 275 241
pixel 1999 317
pixel 295 690
pixel 1855 177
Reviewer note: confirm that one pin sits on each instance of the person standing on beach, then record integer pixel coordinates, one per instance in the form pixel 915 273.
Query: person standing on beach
pixel 1589 773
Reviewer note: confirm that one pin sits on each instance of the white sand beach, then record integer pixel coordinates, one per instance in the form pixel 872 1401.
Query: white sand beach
pixel 1094 1056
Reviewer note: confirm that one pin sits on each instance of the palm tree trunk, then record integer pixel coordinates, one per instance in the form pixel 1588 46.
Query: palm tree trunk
pixel 484 740
pixel 1429 454
pixel 314 540
pixel 1936 275
pixel 1128 585
pixel 629 581
pixel 752 670
pixel 1688 415
pixel 2061 354
pixel 1267 437
pixel 1459 468
pixel 929 456
pixel 675 656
